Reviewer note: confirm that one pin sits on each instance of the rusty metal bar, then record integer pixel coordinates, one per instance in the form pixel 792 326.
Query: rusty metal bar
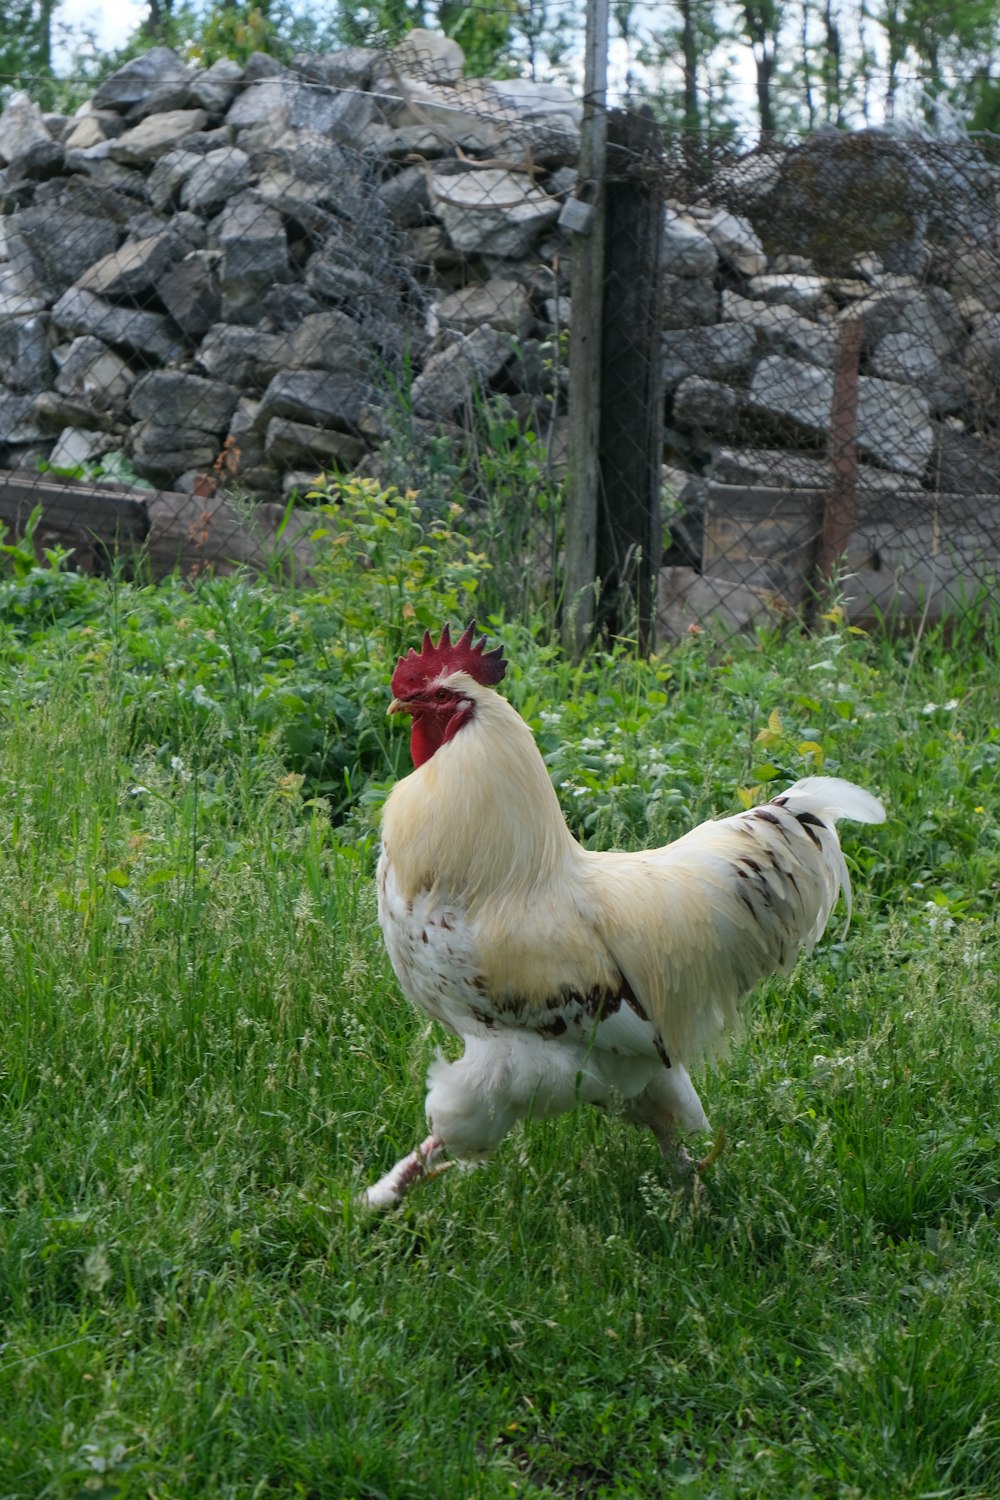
pixel 840 510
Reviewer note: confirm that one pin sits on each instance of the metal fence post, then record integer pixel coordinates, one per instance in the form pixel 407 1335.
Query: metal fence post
pixel 629 533
pixel 841 505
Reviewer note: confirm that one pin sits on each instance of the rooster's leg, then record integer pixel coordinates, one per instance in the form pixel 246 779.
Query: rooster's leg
pixel 667 1106
pixel 420 1166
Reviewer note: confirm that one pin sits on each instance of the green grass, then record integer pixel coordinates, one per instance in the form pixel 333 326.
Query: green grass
pixel 203 1056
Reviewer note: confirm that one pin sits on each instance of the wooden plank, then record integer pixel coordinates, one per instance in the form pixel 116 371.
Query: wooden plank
pixel 69 505
pixel 169 530
pixel 904 549
pixel 196 532
pixel 761 537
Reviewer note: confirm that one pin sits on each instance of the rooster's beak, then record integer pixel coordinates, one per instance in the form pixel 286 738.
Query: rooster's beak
pixel 395 707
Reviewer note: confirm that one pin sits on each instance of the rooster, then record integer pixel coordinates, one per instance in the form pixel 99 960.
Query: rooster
pixel 573 976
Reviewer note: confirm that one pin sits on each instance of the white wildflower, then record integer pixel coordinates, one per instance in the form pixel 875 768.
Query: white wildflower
pixel 202 698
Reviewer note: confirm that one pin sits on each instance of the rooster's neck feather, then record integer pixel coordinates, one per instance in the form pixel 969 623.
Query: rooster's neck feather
pixel 480 819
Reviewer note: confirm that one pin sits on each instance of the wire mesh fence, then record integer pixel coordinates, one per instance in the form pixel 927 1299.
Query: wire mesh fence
pixel 225 281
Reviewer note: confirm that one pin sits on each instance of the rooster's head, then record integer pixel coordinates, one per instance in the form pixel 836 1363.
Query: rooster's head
pixel 432 686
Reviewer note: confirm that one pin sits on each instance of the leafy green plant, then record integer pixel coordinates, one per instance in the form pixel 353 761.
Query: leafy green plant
pixel 114 468
pixel 33 596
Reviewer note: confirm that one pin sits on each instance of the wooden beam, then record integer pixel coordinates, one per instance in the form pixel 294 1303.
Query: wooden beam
pixel 586 295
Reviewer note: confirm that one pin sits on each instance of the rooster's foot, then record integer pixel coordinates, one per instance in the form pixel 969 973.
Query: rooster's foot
pixel 420 1166
pixel 718 1146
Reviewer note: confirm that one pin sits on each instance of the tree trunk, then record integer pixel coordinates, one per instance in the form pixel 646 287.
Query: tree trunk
pixel 689 52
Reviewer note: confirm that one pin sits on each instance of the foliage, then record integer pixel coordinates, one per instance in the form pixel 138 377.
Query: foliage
pixel 114 468
pixel 837 62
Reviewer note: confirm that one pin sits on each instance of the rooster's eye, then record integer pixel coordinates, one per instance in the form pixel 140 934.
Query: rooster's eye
pixel 442 695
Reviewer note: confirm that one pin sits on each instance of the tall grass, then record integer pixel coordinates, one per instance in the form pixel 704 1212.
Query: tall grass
pixel 204 1056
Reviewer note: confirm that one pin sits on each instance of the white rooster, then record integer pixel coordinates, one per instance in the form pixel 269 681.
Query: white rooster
pixel 574 976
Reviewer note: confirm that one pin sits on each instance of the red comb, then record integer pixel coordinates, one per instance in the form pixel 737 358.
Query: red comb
pixel 417 668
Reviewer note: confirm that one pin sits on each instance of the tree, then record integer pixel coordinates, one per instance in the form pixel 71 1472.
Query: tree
pixel 26 48
pixel 951 51
pixel 761 24
pixel 484 31
pixel 699 103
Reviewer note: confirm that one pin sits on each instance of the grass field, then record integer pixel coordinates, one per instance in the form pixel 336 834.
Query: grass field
pixel 204 1056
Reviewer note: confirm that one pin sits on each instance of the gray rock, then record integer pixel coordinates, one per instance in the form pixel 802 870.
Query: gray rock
pixel 689 302
pixel 929 313
pixel 135 267
pixel 77 446
pixel 22 128
pixel 141 76
pixel 201 142
pixel 26 353
pixel 155 136
pixel 783 329
pixel 788 470
pixel 288 442
pixel 103 172
pixel 346 68
pixel 91 371
pixel 331 399
pixel 147 333
pixel 171 398
pixel 254 251
pixel 910 358
pixel 452 377
pixel 492 211
pixel 262 65
pixel 18 419
pixel 23 290
pixel 337 274
pixel 327 340
pixel 214 89
pixel 218 177
pixel 702 405
pixel 429 56
pixel 159 453
pixel 264 102
pixel 687 250
pixel 406 196
pixel 973 273
pixel 238 356
pixel 59 259
pixel 165 100
pixel 92 128
pixel 341 114
pixel 805 293
pixel 500 302
pixel 726 349
pixel 893 421
pixel 54 411
pixel 737 242
pixel 191 294
pixel 169 175
pixel 982 359
pixel 40 162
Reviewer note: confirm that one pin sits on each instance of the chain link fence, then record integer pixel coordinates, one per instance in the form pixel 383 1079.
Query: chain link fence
pixel 225 281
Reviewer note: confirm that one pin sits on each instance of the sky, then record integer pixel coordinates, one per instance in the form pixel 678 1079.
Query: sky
pixel 112 22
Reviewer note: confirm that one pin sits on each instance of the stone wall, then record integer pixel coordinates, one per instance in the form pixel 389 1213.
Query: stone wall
pixel 256 272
